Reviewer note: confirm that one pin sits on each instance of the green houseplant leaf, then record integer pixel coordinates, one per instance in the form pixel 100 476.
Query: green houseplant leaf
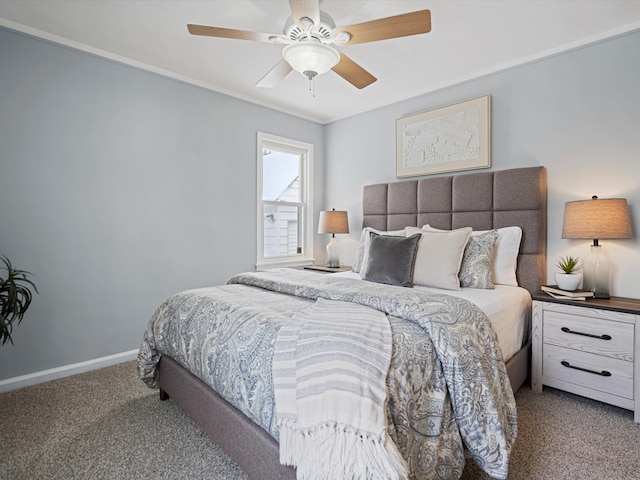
pixel 568 264
pixel 15 298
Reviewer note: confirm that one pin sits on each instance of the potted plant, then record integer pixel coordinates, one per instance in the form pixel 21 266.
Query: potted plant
pixel 15 297
pixel 569 279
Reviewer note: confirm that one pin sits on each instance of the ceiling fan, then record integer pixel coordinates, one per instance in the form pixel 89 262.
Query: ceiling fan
pixel 309 34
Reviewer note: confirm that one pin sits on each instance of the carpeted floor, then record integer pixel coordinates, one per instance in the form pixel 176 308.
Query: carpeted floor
pixel 106 424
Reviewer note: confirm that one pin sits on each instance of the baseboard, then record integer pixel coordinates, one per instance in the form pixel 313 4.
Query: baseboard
pixel 65 371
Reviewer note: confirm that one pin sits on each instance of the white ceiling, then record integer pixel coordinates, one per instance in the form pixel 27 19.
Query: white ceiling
pixel 468 38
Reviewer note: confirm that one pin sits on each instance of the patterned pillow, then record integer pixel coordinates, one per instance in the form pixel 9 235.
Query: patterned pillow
pixel 475 271
pixel 391 259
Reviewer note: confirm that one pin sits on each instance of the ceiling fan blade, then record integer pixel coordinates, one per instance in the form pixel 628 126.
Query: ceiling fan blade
pixel 403 25
pixel 305 8
pixel 353 73
pixel 238 34
pixel 275 75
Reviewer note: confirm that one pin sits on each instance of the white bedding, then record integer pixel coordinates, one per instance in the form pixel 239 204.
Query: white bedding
pixel 507 307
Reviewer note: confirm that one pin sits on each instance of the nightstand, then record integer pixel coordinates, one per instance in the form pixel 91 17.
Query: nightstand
pixel 588 347
pixel 325 269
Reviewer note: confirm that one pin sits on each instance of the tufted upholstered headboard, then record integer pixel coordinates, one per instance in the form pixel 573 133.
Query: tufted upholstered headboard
pixel 483 201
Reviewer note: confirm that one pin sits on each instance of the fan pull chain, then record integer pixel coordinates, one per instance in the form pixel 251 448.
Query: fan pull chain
pixel 312 86
pixel 311 75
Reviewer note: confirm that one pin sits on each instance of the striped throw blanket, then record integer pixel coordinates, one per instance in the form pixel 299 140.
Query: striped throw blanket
pixel 329 372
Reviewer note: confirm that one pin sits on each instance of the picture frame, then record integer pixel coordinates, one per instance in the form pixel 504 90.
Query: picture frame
pixel 446 139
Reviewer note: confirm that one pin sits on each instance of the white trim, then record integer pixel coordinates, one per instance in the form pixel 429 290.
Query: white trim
pixel 65 371
pixel 279 262
pixel 305 150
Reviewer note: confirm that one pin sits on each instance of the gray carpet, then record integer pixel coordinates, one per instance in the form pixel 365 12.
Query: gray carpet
pixel 106 424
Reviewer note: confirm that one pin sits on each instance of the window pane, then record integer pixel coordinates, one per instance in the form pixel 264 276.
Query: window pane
pixel 282 230
pixel 285 229
pixel 280 176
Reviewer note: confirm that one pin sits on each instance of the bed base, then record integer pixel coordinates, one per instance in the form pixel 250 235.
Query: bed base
pixel 248 445
pixel 519 367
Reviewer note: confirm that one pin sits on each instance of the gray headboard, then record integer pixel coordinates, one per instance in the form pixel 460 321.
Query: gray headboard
pixel 480 200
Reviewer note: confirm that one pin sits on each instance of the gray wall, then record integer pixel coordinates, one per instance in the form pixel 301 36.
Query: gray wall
pixel 575 113
pixel 119 187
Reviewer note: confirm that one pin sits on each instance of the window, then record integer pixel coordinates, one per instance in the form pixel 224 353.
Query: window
pixel 285 230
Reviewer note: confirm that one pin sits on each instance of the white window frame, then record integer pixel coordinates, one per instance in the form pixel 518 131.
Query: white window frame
pixel 305 150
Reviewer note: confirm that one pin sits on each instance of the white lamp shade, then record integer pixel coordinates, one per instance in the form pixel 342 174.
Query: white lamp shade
pixel 333 221
pixel 314 57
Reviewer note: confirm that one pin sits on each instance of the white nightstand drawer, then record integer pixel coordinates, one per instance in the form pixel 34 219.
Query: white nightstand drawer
pixel 596 372
pixel 603 337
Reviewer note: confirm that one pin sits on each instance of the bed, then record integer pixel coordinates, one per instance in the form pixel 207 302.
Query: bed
pixel 484 201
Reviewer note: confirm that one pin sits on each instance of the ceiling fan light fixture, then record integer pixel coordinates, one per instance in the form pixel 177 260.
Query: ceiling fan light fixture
pixel 311 58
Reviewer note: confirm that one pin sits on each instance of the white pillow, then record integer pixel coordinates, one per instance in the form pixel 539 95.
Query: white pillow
pixel 363 246
pixel 505 255
pixel 439 257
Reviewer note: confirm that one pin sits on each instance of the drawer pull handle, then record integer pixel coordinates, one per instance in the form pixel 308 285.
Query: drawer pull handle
pixel 599 337
pixel 603 373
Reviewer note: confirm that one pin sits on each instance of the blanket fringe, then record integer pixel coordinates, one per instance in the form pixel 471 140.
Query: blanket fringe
pixel 332 452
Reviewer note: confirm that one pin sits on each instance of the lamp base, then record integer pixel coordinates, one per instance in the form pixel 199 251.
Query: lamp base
pixel 596 273
pixel 333 253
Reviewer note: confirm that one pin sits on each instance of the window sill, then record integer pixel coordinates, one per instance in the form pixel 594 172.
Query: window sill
pixel 284 263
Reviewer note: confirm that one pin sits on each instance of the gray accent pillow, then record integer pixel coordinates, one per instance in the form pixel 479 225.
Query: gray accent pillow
pixel 476 271
pixel 363 247
pixel 391 259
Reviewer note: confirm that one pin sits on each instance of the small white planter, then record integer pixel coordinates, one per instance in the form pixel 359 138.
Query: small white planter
pixel 568 281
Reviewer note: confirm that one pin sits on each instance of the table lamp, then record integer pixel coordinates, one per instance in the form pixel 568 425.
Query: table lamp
pixel 333 221
pixel 596 219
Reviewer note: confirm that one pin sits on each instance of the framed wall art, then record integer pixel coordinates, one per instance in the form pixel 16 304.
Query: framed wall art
pixel 446 139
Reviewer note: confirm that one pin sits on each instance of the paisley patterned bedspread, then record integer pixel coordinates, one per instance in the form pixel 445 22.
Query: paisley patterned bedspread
pixel 447 386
